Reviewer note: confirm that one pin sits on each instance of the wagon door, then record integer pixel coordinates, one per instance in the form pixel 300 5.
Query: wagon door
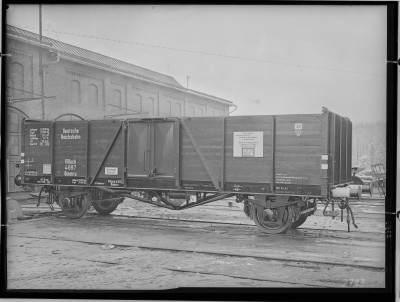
pixel 163 163
pixel 138 149
pixel 153 153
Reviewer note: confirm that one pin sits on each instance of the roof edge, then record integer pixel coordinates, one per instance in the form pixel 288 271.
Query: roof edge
pixel 210 97
pixel 110 68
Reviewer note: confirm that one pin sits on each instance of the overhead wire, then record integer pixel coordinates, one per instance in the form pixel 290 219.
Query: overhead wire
pixel 214 54
pixel 9 87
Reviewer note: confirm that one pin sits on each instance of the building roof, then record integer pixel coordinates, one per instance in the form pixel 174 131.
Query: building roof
pixel 93 57
pixel 90 57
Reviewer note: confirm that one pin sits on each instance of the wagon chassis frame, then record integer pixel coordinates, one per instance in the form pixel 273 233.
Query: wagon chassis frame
pixel 171 206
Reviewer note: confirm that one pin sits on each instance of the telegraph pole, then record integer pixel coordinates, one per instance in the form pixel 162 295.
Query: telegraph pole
pixel 40 60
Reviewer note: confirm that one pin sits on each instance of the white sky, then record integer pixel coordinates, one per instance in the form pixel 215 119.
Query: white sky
pixel 294 59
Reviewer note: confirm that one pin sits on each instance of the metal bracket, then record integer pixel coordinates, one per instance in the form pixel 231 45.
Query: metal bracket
pixel 307 211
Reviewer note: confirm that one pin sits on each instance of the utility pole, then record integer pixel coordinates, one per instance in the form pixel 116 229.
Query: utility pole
pixel 187 81
pixel 40 59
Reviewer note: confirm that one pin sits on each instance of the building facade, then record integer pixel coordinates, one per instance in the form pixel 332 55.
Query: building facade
pixel 78 83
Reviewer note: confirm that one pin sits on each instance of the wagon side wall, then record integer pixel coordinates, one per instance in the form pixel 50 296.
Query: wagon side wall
pixel 284 154
pixel 298 154
pixel 249 153
pixel 340 149
pixel 106 153
pixel 255 154
pixel 36 152
pixel 73 153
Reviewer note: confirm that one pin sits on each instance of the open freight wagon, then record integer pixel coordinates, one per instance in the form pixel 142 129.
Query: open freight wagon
pixel 277 165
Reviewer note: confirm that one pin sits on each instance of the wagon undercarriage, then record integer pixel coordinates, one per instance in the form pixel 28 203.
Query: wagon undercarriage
pixel 271 214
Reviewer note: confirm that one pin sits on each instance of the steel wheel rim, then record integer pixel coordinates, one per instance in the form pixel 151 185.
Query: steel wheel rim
pixel 267 224
pixel 78 205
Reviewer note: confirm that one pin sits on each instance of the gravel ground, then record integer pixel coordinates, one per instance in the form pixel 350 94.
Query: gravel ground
pixel 116 252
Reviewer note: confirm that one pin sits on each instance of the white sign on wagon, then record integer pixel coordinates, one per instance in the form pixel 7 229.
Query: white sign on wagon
pixel 248 144
pixel 111 171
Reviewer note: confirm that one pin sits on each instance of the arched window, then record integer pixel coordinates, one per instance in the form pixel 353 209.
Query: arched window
pixel 200 112
pixel 137 103
pixel 17 79
pixel 167 109
pixel 117 98
pixel 191 111
pixel 93 95
pixel 75 91
pixel 177 110
pixel 148 107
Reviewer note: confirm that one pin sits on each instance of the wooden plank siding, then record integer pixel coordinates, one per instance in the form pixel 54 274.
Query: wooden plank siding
pixel 349 150
pixel 343 151
pixel 70 157
pixel 283 154
pixel 249 169
pixel 106 149
pixel 208 134
pixel 36 152
pixel 298 172
pixel 336 151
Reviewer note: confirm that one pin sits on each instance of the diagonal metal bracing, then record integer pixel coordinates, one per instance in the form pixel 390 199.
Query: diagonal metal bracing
pixel 202 159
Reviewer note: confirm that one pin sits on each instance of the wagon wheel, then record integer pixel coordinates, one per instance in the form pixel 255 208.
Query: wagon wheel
pixel 267 221
pixel 299 221
pixel 74 207
pixel 105 207
pixel 301 218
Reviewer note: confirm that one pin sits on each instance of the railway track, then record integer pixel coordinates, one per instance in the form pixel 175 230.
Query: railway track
pixel 213 225
pixel 167 218
pixel 206 251
pixel 177 250
pixel 228 229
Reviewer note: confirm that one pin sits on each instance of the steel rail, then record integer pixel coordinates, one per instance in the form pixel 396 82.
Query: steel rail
pixel 284 260
pixel 213 222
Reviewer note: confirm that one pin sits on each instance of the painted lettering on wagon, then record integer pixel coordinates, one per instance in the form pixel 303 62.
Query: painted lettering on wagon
pixel 298 128
pixel 39 137
pixel 33 137
pixel 44 137
pixel 70 167
pixel 72 133
pixel 284 178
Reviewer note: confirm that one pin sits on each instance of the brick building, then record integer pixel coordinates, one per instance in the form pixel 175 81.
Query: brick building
pixel 78 83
